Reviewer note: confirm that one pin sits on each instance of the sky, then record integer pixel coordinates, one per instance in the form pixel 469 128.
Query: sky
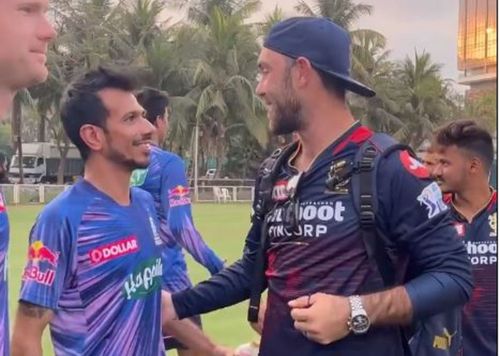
pixel 430 25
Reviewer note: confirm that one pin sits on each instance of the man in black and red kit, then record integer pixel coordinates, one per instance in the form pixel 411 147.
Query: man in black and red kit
pixel 325 296
pixel 464 161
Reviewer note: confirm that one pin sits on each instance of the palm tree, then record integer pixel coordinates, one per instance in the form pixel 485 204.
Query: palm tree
pixel 425 95
pixel 343 12
pixel 371 65
pixel 270 20
pixel 199 11
pixel 223 91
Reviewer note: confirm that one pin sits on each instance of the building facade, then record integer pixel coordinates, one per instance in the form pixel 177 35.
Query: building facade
pixel 477 44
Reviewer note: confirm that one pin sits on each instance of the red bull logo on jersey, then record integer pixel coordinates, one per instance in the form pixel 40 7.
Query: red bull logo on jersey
pixel 38 252
pixel 33 273
pixel 413 165
pixel 114 250
pixel 179 196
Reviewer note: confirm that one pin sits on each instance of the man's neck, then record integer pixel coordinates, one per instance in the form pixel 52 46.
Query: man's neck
pixel 323 128
pixel 6 99
pixel 111 179
pixel 472 200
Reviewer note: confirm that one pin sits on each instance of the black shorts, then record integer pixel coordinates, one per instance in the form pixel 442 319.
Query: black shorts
pixel 172 343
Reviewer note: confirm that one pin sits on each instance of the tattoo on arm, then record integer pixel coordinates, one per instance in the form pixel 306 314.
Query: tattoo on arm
pixel 32 310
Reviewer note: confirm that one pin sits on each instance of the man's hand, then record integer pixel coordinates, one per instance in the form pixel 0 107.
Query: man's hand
pixel 321 317
pixel 167 308
pixel 223 351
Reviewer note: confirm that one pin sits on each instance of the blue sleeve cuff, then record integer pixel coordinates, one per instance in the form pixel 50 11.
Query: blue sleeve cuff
pixel 431 292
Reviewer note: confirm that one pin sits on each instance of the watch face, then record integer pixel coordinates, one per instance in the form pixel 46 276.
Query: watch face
pixel 360 324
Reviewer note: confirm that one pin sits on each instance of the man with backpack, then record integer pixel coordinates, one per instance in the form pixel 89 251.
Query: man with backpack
pixel 337 217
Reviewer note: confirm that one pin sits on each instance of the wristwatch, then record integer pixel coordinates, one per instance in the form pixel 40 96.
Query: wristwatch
pixel 358 322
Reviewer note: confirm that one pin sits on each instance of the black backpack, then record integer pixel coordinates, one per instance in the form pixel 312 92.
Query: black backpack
pixel 363 174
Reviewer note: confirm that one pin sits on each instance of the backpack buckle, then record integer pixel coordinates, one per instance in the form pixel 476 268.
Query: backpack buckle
pixel 367 218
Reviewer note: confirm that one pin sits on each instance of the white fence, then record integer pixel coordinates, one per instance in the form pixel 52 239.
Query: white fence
pixel 30 193
pixel 43 193
pixel 223 194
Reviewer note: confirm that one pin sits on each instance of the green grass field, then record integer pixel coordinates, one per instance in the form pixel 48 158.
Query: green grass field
pixel 223 226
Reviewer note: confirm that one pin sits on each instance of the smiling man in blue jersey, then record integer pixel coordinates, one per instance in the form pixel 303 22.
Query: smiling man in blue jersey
pixel 94 271
pixel 165 179
pixel 464 153
pixel 24 36
pixel 326 296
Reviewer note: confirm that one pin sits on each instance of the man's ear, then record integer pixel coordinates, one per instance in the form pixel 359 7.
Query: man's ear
pixel 93 136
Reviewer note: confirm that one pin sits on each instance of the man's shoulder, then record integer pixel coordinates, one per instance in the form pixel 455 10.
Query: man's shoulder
pixel 67 206
pixel 140 196
pixel 166 157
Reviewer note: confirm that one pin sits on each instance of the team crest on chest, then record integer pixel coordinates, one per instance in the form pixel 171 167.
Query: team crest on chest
pixel 492 220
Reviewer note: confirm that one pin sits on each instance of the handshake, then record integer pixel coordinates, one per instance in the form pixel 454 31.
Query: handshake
pixel 187 332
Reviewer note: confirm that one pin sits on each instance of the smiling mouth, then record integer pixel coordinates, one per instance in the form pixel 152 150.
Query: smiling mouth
pixel 144 143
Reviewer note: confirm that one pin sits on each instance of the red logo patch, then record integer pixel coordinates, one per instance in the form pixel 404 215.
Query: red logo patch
pixel 114 250
pixel 460 229
pixel 413 165
pixel 38 252
pixel 34 274
pixel 179 196
pixel 280 191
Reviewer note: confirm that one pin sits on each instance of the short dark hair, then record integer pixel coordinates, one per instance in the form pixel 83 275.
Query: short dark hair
pixel 332 84
pixel 154 101
pixel 80 104
pixel 467 135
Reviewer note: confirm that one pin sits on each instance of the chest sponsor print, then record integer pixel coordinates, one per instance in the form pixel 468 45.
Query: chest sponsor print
pixel 114 250
pixel 312 219
pixel 145 279
pixel 482 252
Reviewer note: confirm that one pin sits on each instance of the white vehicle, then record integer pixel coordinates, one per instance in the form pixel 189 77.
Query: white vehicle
pixel 41 163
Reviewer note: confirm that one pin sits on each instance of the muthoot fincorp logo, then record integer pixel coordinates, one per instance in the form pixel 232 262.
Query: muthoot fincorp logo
pixel 482 252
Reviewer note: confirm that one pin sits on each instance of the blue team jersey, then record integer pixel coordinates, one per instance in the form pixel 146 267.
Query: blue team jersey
pixel 165 179
pixel 480 314
pixel 97 265
pixel 315 245
pixel 4 305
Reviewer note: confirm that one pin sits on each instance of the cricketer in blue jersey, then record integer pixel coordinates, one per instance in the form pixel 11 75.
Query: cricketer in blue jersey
pixel 96 264
pixel 464 153
pixel 24 35
pixel 165 179
pixel 325 296
pixel 93 270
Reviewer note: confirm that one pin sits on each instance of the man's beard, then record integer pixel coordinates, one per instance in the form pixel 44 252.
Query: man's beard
pixel 287 116
pixel 119 158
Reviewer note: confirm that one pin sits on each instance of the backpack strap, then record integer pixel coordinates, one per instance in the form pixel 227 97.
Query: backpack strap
pixel 268 173
pixel 365 195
